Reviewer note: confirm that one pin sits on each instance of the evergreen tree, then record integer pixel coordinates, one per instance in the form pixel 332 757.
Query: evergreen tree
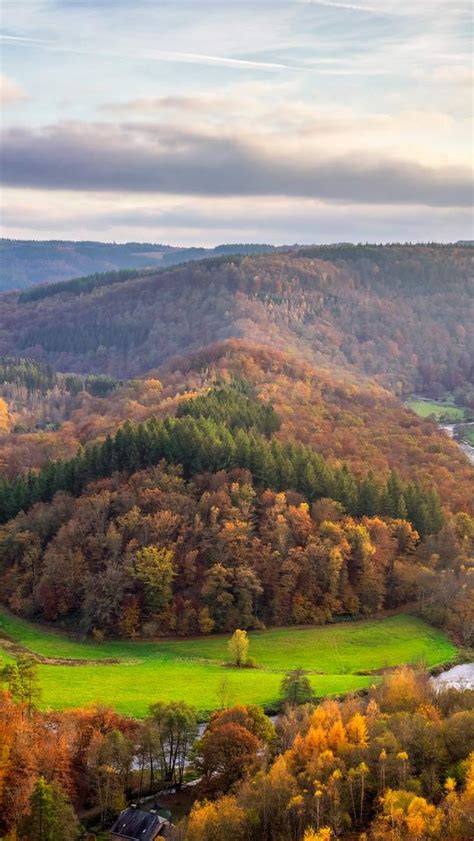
pixel 368 498
pixel 22 679
pixel 296 688
pixel 51 815
pixel 218 435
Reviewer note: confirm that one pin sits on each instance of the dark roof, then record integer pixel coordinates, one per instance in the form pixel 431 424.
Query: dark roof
pixel 137 825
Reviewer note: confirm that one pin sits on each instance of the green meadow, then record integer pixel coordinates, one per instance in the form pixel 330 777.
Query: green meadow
pixel 340 659
pixel 446 411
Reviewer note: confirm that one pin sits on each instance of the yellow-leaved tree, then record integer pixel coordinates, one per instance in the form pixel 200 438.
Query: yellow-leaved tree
pixel 323 834
pixel 239 647
pixel 4 416
pixel 222 820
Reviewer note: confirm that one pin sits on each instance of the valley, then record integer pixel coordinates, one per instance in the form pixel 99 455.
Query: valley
pixel 231 447
pixel 463 434
pixel 456 421
pixel 236 421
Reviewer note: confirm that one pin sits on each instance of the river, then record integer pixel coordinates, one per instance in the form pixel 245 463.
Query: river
pixel 459 677
pixel 452 429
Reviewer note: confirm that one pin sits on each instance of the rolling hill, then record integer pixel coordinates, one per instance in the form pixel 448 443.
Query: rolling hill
pixel 400 315
pixel 352 421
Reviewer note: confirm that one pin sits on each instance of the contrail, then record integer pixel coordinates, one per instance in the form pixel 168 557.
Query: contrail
pixel 237 62
pixel 330 4
pixel 159 55
pixel 24 38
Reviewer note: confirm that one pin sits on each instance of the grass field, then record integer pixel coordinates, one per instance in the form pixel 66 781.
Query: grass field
pixel 447 411
pixel 193 670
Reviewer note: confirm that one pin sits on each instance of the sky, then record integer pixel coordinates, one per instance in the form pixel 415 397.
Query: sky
pixel 195 123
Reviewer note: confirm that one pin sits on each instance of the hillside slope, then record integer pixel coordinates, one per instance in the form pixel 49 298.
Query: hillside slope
pixel 358 423
pixel 402 315
pixel 221 515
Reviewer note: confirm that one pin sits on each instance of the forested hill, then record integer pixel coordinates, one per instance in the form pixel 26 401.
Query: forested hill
pixel 360 424
pixel 205 519
pixel 402 315
pixel 238 481
pixel 26 263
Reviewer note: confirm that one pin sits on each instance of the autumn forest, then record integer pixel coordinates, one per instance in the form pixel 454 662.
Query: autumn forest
pixel 224 447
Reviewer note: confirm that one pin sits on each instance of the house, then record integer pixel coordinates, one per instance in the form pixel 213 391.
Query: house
pixel 134 825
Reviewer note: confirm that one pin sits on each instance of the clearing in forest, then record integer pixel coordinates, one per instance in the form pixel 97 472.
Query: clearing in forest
pixel 129 675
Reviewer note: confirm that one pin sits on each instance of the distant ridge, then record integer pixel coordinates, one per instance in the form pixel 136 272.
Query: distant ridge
pixel 26 263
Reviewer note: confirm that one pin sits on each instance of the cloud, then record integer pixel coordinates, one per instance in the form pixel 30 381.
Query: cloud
pixel 187 104
pixel 147 158
pixel 208 221
pixel 299 125
pixel 10 91
pixel 459 75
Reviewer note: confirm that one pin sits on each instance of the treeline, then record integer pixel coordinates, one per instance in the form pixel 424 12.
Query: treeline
pixel 35 376
pixel 234 407
pixel 423 267
pixel 39 377
pixel 156 555
pixel 55 764
pixel 200 444
pixel 356 424
pixel 83 285
pixel 79 285
pixel 26 263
